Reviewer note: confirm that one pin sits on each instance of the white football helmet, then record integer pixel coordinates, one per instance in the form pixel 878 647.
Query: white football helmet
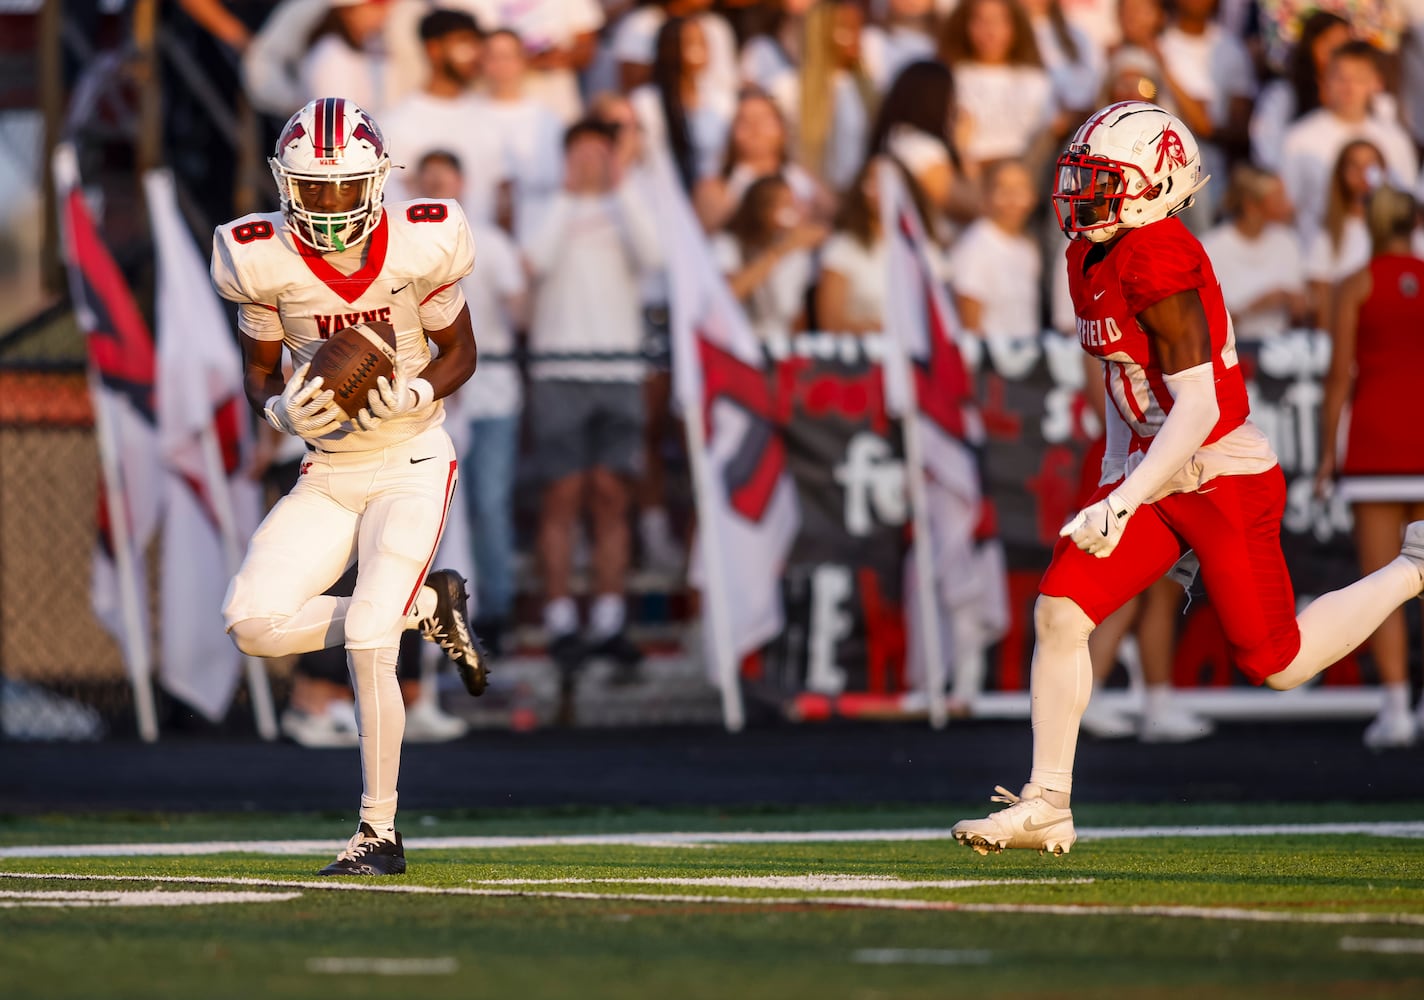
pixel 1130 164
pixel 327 148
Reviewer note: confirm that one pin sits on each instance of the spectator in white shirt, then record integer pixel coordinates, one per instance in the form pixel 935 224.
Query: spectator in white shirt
pixel 483 416
pixel 1076 63
pixel 448 115
pixel 635 42
pixel 1352 84
pixel 850 297
pixel 346 56
pixel 917 126
pixel 587 247
pixel 560 38
pixel 1297 91
pixel 905 35
pixel 765 254
pixel 528 134
pixel 1004 95
pixel 995 267
pixel 836 94
pixel 757 147
pixel 1342 244
pixel 675 112
pixel 771 58
pixel 1213 69
pixel 1257 258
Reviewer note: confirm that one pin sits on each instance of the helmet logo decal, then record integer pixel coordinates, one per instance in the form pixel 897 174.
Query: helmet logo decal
pixel 295 130
pixel 1170 150
pixel 368 132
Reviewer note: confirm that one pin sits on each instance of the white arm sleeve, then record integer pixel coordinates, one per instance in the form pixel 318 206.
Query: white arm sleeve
pixel 1118 438
pixel 1194 414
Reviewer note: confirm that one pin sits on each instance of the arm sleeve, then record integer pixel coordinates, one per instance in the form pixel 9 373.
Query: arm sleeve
pixel 1194 414
pixel 259 322
pixel 1118 437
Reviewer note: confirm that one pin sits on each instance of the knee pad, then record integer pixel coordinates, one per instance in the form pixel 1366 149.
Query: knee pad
pixel 371 627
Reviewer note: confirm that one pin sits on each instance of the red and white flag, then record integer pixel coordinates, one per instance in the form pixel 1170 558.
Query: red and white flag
pixel 746 502
pixel 927 385
pixel 122 369
pixel 211 505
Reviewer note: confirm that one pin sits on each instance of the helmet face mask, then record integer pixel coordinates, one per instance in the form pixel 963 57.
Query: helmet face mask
pixel 1129 165
pixel 330 166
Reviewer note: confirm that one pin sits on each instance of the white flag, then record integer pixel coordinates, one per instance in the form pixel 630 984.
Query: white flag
pixel 746 501
pixel 211 506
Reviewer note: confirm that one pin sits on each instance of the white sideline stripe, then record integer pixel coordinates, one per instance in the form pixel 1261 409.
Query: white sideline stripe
pixel 1384 946
pixel 803 883
pixel 1407 828
pixel 853 902
pixel 921 956
pixel 10 900
pixel 384 966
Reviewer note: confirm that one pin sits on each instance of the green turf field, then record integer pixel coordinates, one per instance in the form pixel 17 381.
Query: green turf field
pixel 685 904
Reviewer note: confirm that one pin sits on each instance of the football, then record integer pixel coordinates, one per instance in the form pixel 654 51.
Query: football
pixel 351 361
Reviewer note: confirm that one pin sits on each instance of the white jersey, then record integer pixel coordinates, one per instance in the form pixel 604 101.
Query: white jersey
pixel 415 258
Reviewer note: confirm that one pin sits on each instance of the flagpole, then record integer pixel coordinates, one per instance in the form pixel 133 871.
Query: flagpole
pixel 137 652
pixel 258 686
pixel 714 595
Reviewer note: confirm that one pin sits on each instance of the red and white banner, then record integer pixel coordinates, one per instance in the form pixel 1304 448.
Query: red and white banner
pixel 211 505
pixel 746 501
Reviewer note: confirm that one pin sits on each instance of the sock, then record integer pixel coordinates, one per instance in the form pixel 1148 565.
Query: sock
pixel 653 527
pixel 1155 699
pixel 968 654
pixel 423 608
pixel 1396 698
pixel 561 616
pixel 380 710
pixel 606 617
pixel 1059 687
pixel 1337 622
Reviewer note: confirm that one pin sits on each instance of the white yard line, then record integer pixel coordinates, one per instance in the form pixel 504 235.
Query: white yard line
pixel 156 897
pixel 1411 828
pixel 921 956
pixel 796 883
pixel 822 901
pixel 444 966
pixel 1384 946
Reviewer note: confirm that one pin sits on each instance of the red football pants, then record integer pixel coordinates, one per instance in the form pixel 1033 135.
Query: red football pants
pixel 1233 523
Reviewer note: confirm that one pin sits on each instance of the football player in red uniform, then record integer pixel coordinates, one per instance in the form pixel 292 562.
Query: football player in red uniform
pixel 1185 470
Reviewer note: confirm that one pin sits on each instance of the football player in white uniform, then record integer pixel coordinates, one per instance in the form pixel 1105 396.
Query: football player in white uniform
pixel 374 490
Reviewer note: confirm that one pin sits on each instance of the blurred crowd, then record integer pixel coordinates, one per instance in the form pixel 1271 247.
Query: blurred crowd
pixel 539 116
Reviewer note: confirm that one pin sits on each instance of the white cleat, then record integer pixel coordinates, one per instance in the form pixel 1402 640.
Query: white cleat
pixel 1391 731
pixel 1030 822
pixel 1174 725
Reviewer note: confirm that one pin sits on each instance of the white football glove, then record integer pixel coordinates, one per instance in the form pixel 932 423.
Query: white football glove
pixel 1097 528
pixel 393 398
pixel 304 409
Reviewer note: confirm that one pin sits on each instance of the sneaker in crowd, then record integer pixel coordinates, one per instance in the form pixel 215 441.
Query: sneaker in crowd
pixel 425 722
pixel 1391 730
pixel 1106 723
pixel 449 628
pixel 568 651
pixel 1170 724
pixel 334 726
pixel 624 654
pixel 368 854
pixel 1030 822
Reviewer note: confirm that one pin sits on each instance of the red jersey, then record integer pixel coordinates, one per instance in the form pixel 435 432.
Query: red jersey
pixel 1385 438
pixel 1110 286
